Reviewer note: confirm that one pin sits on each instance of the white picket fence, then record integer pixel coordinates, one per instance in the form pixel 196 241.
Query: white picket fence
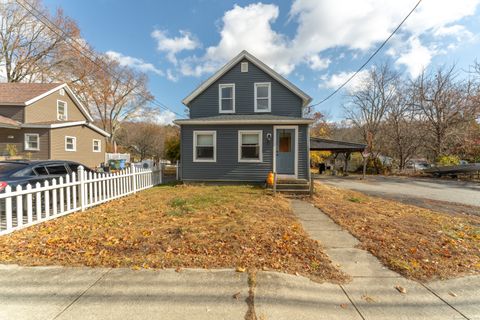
pixel 24 207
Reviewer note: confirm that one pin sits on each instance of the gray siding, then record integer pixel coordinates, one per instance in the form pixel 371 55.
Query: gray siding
pixel 284 102
pixel 227 166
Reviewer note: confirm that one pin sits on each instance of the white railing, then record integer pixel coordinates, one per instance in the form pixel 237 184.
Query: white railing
pixel 24 207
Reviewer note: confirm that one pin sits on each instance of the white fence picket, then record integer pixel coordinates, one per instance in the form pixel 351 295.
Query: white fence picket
pixel 34 204
pixel 47 200
pixel 61 201
pixel 19 204
pixel 8 209
pixel 29 204
pixel 54 198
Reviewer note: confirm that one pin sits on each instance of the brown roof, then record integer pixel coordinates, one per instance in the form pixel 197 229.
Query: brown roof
pixel 8 123
pixel 19 93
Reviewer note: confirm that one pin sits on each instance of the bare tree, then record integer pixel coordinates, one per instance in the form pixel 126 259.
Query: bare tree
pixel 28 46
pixel 402 130
pixel 368 106
pixel 445 106
pixel 113 93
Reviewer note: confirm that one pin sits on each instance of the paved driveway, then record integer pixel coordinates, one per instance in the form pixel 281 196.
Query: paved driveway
pixel 413 190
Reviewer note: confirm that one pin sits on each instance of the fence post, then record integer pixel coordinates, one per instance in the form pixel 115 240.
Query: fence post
pixel 134 179
pixel 81 179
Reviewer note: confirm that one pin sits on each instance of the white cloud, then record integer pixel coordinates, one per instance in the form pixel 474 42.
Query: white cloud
pixel 336 80
pixel 174 45
pixel 353 25
pixel 171 76
pixel 134 63
pixel 165 117
pixel 317 63
pixel 416 57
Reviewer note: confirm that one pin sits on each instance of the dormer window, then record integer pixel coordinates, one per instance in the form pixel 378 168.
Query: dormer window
pixel 61 110
pixel 226 97
pixel 263 97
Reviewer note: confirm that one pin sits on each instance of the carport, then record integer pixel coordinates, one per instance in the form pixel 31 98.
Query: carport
pixel 336 147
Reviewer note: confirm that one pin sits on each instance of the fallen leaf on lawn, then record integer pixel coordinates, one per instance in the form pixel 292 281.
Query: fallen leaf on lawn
pixel 236 295
pixel 344 305
pixel 453 294
pixel 240 269
pixel 401 289
pixel 368 298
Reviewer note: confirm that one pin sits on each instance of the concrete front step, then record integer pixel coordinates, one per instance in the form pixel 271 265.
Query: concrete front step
pixel 291 181
pixel 296 186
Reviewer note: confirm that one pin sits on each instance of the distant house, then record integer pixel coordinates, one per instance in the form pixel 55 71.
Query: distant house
pixel 46 121
pixel 245 121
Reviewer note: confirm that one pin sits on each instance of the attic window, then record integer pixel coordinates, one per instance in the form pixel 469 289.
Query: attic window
pixel 61 92
pixel 61 110
pixel 244 67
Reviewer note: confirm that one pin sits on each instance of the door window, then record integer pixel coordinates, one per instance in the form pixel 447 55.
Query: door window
pixel 285 141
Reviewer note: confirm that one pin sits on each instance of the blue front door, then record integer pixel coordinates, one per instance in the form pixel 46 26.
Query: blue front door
pixel 285 151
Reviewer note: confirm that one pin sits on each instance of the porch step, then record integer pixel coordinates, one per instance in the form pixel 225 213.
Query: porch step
pixel 293 186
pixel 291 181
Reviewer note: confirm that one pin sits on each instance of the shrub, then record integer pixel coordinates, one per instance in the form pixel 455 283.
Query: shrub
pixel 448 160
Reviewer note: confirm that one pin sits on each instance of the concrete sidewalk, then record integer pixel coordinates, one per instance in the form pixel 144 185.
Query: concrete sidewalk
pixel 95 293
pixel 372 291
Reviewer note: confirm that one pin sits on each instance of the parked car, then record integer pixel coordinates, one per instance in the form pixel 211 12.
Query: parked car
pixel 23 172
pixel 417 165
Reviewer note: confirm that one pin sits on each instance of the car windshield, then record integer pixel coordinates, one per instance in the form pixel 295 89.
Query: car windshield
pixel 9 167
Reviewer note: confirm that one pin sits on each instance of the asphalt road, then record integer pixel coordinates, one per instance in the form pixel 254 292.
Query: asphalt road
pixel 441 192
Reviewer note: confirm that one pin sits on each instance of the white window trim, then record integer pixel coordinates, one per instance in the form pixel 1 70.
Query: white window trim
pixel 195 133
pixel 226 85
pixel 260 143
pixel 99 145
pixel 26 145
pixel 74 144
pixel 256 84
pixel 66 110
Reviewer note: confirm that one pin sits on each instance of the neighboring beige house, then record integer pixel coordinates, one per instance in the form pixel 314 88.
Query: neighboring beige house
pixel 47 121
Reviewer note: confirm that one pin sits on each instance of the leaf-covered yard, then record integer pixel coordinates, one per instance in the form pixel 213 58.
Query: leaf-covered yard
pixel 419 243
pixel 177 227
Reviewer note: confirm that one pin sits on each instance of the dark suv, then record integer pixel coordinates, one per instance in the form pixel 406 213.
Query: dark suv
pixel 23 172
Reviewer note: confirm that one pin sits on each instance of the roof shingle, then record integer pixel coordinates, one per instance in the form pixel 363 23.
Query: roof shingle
pixel 19 93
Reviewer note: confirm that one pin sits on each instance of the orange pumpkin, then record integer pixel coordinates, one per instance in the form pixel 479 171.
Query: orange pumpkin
pixel 270 179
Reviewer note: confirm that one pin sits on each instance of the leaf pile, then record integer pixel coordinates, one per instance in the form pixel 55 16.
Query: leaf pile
pixel 419 243
pixel 177 227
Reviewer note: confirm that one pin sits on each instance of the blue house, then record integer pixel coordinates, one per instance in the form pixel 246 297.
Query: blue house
pixel 246 120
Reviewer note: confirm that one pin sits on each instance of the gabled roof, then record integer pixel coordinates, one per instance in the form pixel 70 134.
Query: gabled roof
pixel 246 55
pixel 24 94
pixel 20 93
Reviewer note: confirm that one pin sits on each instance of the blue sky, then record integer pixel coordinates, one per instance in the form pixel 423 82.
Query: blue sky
pixel 316 44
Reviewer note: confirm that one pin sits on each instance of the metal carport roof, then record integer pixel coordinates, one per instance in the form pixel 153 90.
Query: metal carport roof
pixel 321 144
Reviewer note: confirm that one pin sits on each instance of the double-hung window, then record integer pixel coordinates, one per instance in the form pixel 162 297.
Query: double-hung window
pixel 226 98
pixel 250 146
pixel 263 97
pixel 204 146
pixel 70 143
pixel 61 110
pixel 97 145
pixel 32 142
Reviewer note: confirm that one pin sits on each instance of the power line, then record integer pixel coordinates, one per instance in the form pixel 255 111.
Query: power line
pixel 369 59
pixel 52 27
